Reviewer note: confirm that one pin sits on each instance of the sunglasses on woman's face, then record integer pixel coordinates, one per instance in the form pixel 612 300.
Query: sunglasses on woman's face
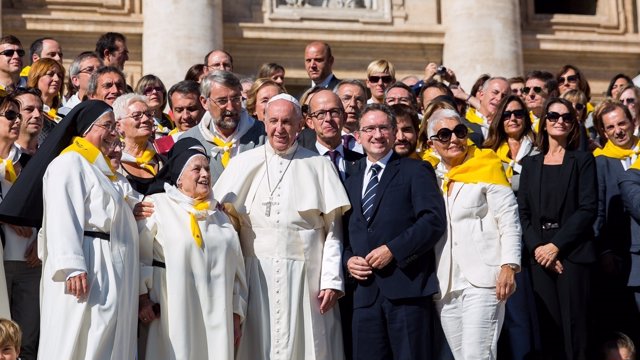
pixel 569 79
pixel 11 115
pixel 519 114
pixel 579 106
pixel 444 134
pixel 554 117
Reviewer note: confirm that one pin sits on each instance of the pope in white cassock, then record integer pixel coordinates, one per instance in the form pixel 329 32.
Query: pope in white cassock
pixel 290 204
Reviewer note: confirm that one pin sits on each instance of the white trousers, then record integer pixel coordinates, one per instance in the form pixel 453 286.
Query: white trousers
pixel 471 319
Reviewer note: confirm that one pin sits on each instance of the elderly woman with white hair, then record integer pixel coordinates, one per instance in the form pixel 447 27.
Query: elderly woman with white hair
pixel 140 162
pixel 479 255
pixel 192 264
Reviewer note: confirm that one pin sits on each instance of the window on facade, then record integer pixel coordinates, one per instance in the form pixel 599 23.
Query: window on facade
pixel 577 7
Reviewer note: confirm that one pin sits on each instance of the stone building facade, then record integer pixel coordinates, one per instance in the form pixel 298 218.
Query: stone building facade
pixel 500 37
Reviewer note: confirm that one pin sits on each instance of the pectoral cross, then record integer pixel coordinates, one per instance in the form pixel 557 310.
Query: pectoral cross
pixel 267 204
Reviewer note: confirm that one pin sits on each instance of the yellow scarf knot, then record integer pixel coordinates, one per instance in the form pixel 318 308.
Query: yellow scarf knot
pixel 226 149
pixel 503 154
pixel 9 170
pixel 195 228
pixel 146 161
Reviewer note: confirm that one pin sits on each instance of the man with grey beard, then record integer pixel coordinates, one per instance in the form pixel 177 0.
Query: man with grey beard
pixel 226 128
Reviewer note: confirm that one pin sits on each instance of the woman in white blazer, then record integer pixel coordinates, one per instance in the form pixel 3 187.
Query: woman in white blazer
pixel 479 255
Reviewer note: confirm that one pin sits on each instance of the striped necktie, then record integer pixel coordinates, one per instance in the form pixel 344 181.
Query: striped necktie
pixel 370 193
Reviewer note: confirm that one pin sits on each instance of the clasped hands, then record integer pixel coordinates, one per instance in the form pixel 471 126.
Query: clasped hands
pixel 361 267
pixel 546 256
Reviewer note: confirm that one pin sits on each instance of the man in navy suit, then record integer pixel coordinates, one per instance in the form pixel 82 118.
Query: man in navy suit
pixel 612 226
pixel 326 118
pixel 397 217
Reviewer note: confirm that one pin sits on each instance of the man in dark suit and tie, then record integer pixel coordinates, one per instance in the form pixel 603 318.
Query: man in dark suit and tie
pixel 612 226
pixel 397 217
pixel 326 118
pixel 318 62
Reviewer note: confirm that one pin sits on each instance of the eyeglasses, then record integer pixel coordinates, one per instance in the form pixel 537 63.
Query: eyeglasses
pixel 444 134
pixel 628 101
pixel 570 79
pixel 519 114
pixel 110 127
pixel 150 89
pixel 517 91
pixel 554 117
pixel 11 115
pixel 579 106
pixel 138 115
pixel 536 89
pixel 384 129
pixel 88 70
pixel 385 79
pixel 322 114
pixel 222 102
pixel 10 52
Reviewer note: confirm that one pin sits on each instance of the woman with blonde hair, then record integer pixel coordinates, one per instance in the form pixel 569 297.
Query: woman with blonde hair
pixel 259 94
pixel 47 75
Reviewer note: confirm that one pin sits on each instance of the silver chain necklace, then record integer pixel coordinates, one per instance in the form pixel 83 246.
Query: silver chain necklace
pixel 270 202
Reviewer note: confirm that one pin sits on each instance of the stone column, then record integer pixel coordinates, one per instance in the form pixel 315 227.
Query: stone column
pixel 482 37
pixel 178 34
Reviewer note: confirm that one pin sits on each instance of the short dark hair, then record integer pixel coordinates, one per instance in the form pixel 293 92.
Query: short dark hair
pixel 27 91
pixel 184 87
pixel 107 42
pixel 605 107
pixel 10 39
pixel 403 110
pixel 379 107
pixel 398 84
pixel 36 47
pixel 550 82
pixel 93 81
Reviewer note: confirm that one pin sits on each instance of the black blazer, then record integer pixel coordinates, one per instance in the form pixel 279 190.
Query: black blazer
pixel 350 158
pixel 408 217
pixel 612 226
pixel 575 237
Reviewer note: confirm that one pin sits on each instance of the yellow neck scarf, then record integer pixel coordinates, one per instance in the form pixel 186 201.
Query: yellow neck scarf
pixel 226 148
pixel 195 228
pixel 503 154
pixel 173 132
pixel 9 170
pixel 534 122
pixel 636 164
pixel 481 165
pixel 613 151
pixel 145 160
pixel 88 151
pixel 472 116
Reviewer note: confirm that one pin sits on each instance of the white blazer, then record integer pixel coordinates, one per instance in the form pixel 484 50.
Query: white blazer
pixel 483 233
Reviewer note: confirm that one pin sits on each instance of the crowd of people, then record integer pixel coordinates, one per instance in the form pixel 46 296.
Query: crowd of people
pixel 225 218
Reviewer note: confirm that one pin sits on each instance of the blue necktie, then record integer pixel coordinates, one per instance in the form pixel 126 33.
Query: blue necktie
pixel 370 193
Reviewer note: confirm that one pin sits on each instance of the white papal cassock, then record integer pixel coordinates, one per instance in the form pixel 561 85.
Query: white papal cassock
pixel 291 251
pixel 78 197
pixel 199 289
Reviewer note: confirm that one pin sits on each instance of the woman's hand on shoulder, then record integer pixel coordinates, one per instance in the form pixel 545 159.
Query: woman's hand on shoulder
pixel 142 210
